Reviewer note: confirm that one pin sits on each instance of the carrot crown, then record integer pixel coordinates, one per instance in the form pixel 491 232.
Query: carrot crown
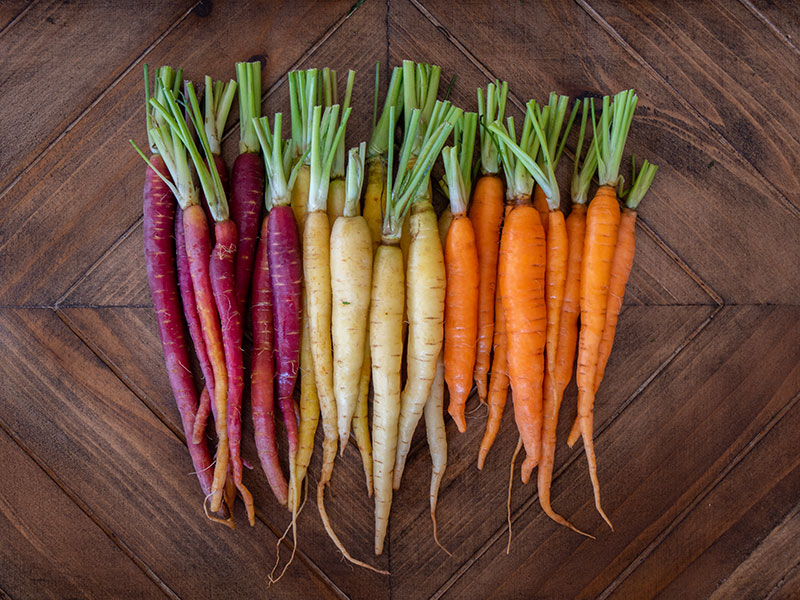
pixel 249 77
pixel 641 183
pixel 442 112
pixel 548 123
pixel 491 109
pixel 462 152
pixel 303 97
pixel 420 88
pixel 337 169
pixel 277 161
pixel 167 135
pixel 408 181
pixel 518 166
pixel 354 180
pixel 326 133
pixel 610 134
pixel 379 138
pixel 582 174
pixel 166 78
pixel 218 100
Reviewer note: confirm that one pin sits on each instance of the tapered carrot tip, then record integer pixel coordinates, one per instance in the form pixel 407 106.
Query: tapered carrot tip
pixel 482 392
pixel 482 453
pixel 458 417
pixel 528 466
pixel 574 433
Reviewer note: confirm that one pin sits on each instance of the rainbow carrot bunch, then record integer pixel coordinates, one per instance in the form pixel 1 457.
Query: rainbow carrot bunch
pixel 336 293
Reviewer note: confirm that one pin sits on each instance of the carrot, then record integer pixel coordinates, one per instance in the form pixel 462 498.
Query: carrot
pixel 521 271
pixel 486 214
pixel 386 311
pixel 620 271
pixel 425 274
pixel 247 177
pixel 351 280
pixel 461 262
pixel 222 275
pixel 159 213
pixel 559 373
pixel 437 440
pixel 304 94
pixel 602 223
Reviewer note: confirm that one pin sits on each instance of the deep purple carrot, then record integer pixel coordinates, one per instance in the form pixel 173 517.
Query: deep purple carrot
pixel 247 177
pixel 262 371
pixel 159 218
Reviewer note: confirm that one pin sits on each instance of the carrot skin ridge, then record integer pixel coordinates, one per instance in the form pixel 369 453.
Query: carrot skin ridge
pixel 246 200
pixel 222 267
pixel 159 213
pixel 195 330
pixel 461 315
pixel 486 214
pixel 198 250
pixel 286 270
pixel 602 223
pixel 521 283
pixel 262 371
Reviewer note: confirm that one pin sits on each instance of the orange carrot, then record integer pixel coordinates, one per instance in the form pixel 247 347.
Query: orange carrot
pixel 486 214
pixel 602 223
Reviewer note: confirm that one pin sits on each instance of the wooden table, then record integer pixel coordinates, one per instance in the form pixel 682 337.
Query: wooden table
pixel 696 423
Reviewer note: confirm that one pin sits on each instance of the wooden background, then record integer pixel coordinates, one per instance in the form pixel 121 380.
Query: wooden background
pixel 696 423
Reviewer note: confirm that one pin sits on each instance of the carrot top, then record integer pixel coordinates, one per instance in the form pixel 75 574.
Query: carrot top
pixel 326 133
pixel 304 95
pixel 641 183
pixel 166 78
pixel 379 138
pixel 548 123
pixel 582 174
pixel 442 112
pixel 610 134
pixel 491 109
pixel 420 88
pixel 249 78
pixel 407 181
pixel 461 152
pixel 331 97
pixel 516 157
pixel 218 100
pixel 354 180
pixel 278 157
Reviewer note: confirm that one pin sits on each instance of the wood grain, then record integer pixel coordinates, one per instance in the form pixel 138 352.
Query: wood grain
pixel 70 194
pixel 654 459
pixel 77 418
pixel 50 546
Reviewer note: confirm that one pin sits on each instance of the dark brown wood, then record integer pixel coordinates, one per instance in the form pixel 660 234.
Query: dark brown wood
pixel 696 420
pixel 654 459
pixel 50 546
pixel 113 453
pixel 70 196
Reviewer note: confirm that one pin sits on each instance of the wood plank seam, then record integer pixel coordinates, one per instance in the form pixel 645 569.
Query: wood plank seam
pixel 634 564
pixel 617 37
pixel 14 21
pixel 119 374
pixel 521 105
pixel 599 431
pixel 90 514
pixel 4 595
pixel 94 103
pixel 232 128
pixel 786 39
pixel 787 575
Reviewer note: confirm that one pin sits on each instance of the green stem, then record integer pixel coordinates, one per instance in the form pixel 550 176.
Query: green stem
pixel 326 134
pixel 420 88
pixel 641 183
pixel 611 133
pixel 218 100
pixel 249 78
pixel 582 174
pixel 491 109
pixel 381 133
pixel 338 168
pixel 456 189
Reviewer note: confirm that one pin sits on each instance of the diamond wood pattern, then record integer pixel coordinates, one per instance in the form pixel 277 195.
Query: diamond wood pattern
pixel 697 418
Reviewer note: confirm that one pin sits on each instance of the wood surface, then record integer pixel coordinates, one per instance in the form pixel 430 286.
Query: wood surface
pixel 696 421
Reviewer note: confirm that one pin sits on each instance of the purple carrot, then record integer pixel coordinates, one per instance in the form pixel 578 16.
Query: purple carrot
pixel 159 218
pixel 247 194
pixel 262 371
pixel 286 269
